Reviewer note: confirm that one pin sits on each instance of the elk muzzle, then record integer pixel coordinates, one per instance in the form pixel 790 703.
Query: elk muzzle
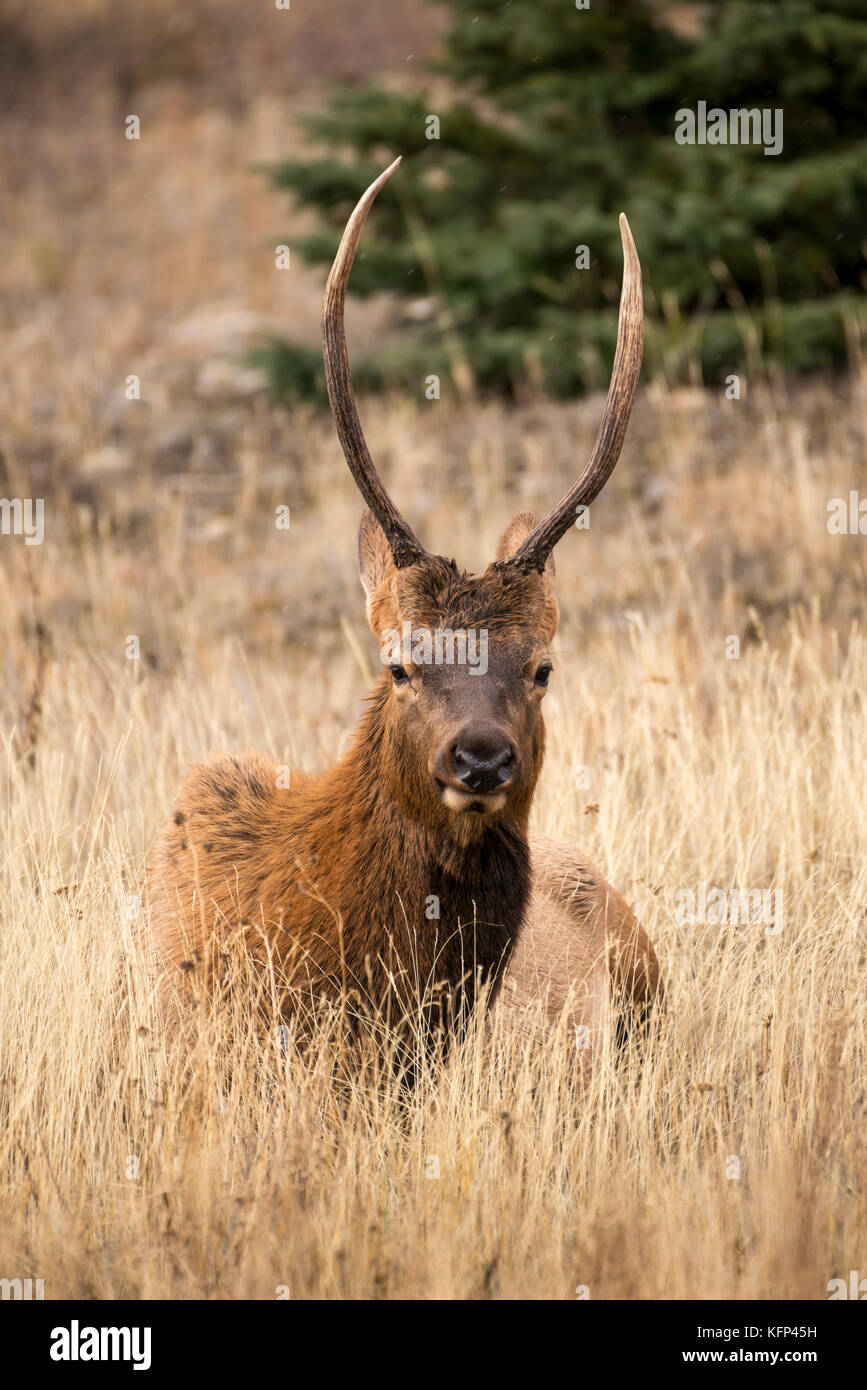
pixel 477 767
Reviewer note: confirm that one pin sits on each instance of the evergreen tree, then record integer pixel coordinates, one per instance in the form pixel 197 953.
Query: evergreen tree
pixel 562 117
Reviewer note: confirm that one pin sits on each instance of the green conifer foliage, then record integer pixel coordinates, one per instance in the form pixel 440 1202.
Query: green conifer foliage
pixel 562 117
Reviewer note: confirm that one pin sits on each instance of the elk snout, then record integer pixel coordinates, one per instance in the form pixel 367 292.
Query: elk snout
pixel 483 760
pixel 481 766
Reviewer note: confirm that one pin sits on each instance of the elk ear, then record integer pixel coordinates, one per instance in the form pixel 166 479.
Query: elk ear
pixel 375 566
pixel 517 531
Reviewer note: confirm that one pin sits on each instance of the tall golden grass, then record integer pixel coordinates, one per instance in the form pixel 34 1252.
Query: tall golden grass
pixel 226 1167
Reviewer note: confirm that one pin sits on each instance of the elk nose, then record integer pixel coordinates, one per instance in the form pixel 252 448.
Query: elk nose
pixel 483 764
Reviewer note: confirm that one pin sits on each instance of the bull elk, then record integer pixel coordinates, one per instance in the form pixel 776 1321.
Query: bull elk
pixel 405 877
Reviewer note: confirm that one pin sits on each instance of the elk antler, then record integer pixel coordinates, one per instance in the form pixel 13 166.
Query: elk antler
pixel 535 550
pixel 405 548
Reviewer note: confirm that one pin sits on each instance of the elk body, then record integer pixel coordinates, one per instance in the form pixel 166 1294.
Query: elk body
pixel 405 877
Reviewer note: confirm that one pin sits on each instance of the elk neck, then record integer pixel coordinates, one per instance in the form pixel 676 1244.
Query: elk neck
pixel 403 853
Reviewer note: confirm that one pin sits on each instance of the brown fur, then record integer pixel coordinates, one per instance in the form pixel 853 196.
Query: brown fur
pixel 328 884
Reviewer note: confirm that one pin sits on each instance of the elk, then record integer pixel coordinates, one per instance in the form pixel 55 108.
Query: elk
pixel 405 877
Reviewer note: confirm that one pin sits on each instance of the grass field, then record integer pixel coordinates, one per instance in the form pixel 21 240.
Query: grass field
pixel 744 773
pixel 726 1162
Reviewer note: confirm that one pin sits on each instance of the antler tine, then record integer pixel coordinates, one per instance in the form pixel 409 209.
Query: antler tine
pixel 535 550
pixel 405 548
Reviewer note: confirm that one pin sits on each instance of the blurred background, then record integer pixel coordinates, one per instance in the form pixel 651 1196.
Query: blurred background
pixel 160 376
pixel 489 275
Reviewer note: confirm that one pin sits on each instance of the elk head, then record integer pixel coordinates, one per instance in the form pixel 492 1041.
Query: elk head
pixel 467 655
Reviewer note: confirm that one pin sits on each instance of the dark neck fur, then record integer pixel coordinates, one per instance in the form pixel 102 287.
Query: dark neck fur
pixel 406 854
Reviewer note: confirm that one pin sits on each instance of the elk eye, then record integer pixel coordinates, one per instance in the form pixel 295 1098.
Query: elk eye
pixel 398 675
pixel 543 673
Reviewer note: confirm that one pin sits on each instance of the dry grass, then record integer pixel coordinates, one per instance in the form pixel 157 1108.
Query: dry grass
pixel 744 773
pixel 741 773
